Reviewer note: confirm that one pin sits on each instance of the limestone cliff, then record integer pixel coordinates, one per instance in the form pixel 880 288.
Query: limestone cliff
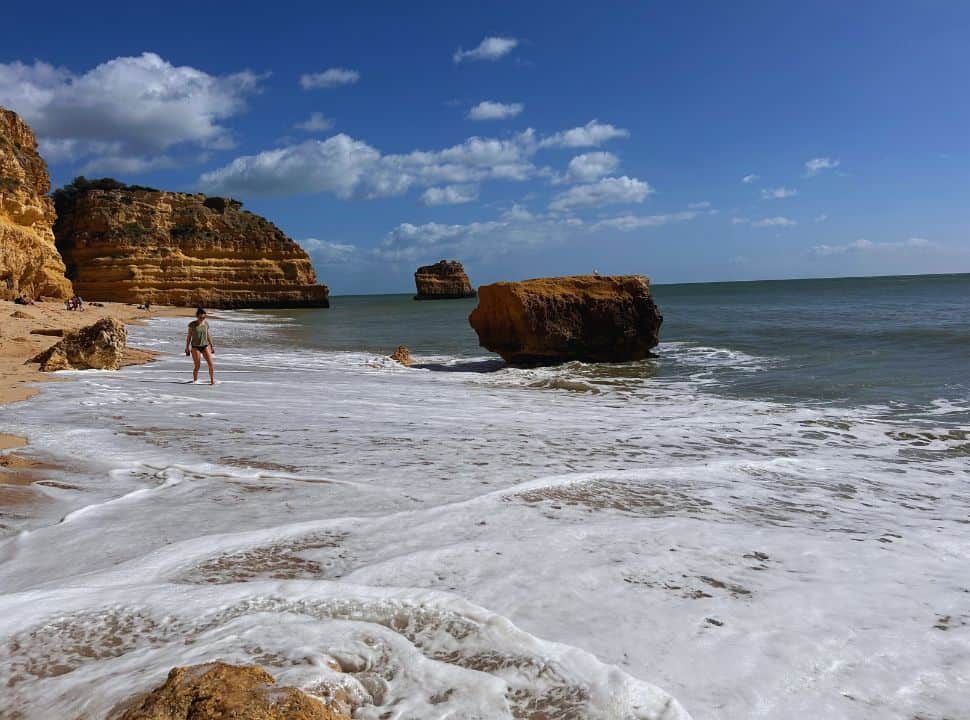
pixel 445 280
pixel 591 318
pixel 135 244
pixel 29 263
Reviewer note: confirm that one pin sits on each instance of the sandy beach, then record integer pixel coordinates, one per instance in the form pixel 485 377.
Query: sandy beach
pixel 25 331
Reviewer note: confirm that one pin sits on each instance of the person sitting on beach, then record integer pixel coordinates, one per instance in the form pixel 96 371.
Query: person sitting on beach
pixel 199 341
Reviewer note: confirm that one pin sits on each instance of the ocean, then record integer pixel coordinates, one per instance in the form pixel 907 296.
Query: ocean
pixel 771 519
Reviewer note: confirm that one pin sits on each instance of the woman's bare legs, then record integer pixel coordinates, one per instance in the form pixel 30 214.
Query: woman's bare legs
pixel 196 362
pixel 210 361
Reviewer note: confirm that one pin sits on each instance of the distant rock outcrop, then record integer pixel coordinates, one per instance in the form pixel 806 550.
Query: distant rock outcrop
pixel 135 244
pixel 219 690
pixel 29 263
pixel 445 280
pixel 100 346
pixel 583 317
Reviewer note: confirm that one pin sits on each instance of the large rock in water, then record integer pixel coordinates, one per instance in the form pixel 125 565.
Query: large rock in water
pixel 134 244
pixel 583 317
pixel 29 263
pixel 445 280
pixel 96 347
pixel 220 691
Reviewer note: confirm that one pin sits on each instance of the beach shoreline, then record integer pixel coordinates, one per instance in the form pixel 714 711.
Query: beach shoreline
pixel 20 341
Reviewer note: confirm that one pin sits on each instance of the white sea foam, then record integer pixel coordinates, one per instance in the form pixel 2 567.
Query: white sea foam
pixel 754 559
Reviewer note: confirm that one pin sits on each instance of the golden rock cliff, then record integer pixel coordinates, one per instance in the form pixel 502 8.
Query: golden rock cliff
pixel 29 263
pixel 445 280
pixel 134 244
pixel 592 318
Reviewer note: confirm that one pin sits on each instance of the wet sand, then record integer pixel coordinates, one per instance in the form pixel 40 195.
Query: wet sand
pixel 25 331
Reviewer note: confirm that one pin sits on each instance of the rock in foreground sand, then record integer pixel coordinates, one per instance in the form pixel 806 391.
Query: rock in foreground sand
pixel 99 347
pixel 218 690
pixel 581 317
pixel 445 280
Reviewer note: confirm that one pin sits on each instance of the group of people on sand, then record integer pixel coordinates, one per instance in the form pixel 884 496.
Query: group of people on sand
pixel 198 343
pixel 74 303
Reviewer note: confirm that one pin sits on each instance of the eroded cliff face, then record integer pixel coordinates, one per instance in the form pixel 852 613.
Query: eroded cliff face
pixel 133 244
pixel 29 262
pixel 445 280
pixel 545 321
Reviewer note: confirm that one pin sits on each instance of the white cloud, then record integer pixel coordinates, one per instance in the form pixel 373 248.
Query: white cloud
pixel 350 168
pixel 867 246
pixel 330 78
pixel 339 164
pixel 324 252
pixel 608 191
pixel 491 48
pixel 449 195
pixel 740 220
pixel 748 179
pixel 635 222
pixel 135 107
pixel 703 205
pixel 489 110
pixel 777 221
pixel 517 213
pixel 777 193
pixel 122 165
pixel 817 165
pixel 590 166
pixel 821 218
pixel 592 134
pixel 416 243
pixel 317 122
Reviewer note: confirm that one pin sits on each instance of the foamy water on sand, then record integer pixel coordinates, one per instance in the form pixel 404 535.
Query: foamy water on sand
pixel 472 541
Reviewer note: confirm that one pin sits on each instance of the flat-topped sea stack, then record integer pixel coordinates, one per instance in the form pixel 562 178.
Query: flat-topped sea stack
pixel 545 321
pixel 29 263
pixel 134 244
pixel 445 280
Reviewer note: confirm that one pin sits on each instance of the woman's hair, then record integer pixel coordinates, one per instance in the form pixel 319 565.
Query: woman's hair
pixel 199 311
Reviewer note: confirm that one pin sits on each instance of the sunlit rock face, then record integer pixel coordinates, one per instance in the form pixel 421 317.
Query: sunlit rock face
pixel 445 280
pixel 135 244
pixel 220 690
pixel 100 346
pixel 591 318
pixel 29 262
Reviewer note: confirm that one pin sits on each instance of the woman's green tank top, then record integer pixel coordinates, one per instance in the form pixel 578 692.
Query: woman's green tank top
pixel 200 333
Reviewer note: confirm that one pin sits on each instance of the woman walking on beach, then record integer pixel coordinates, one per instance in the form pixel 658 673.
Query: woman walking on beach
pixel 199 341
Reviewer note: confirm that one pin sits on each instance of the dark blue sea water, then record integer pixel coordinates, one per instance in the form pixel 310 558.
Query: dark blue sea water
pixel 897 341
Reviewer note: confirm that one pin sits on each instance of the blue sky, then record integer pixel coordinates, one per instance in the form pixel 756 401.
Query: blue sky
pixel 688 141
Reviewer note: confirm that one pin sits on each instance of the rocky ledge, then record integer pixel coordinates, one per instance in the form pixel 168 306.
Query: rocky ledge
pixel 135 244
pixel 29 263
pixel 220 690
pixel 445 280
pixel 583 317
pixel 100 346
